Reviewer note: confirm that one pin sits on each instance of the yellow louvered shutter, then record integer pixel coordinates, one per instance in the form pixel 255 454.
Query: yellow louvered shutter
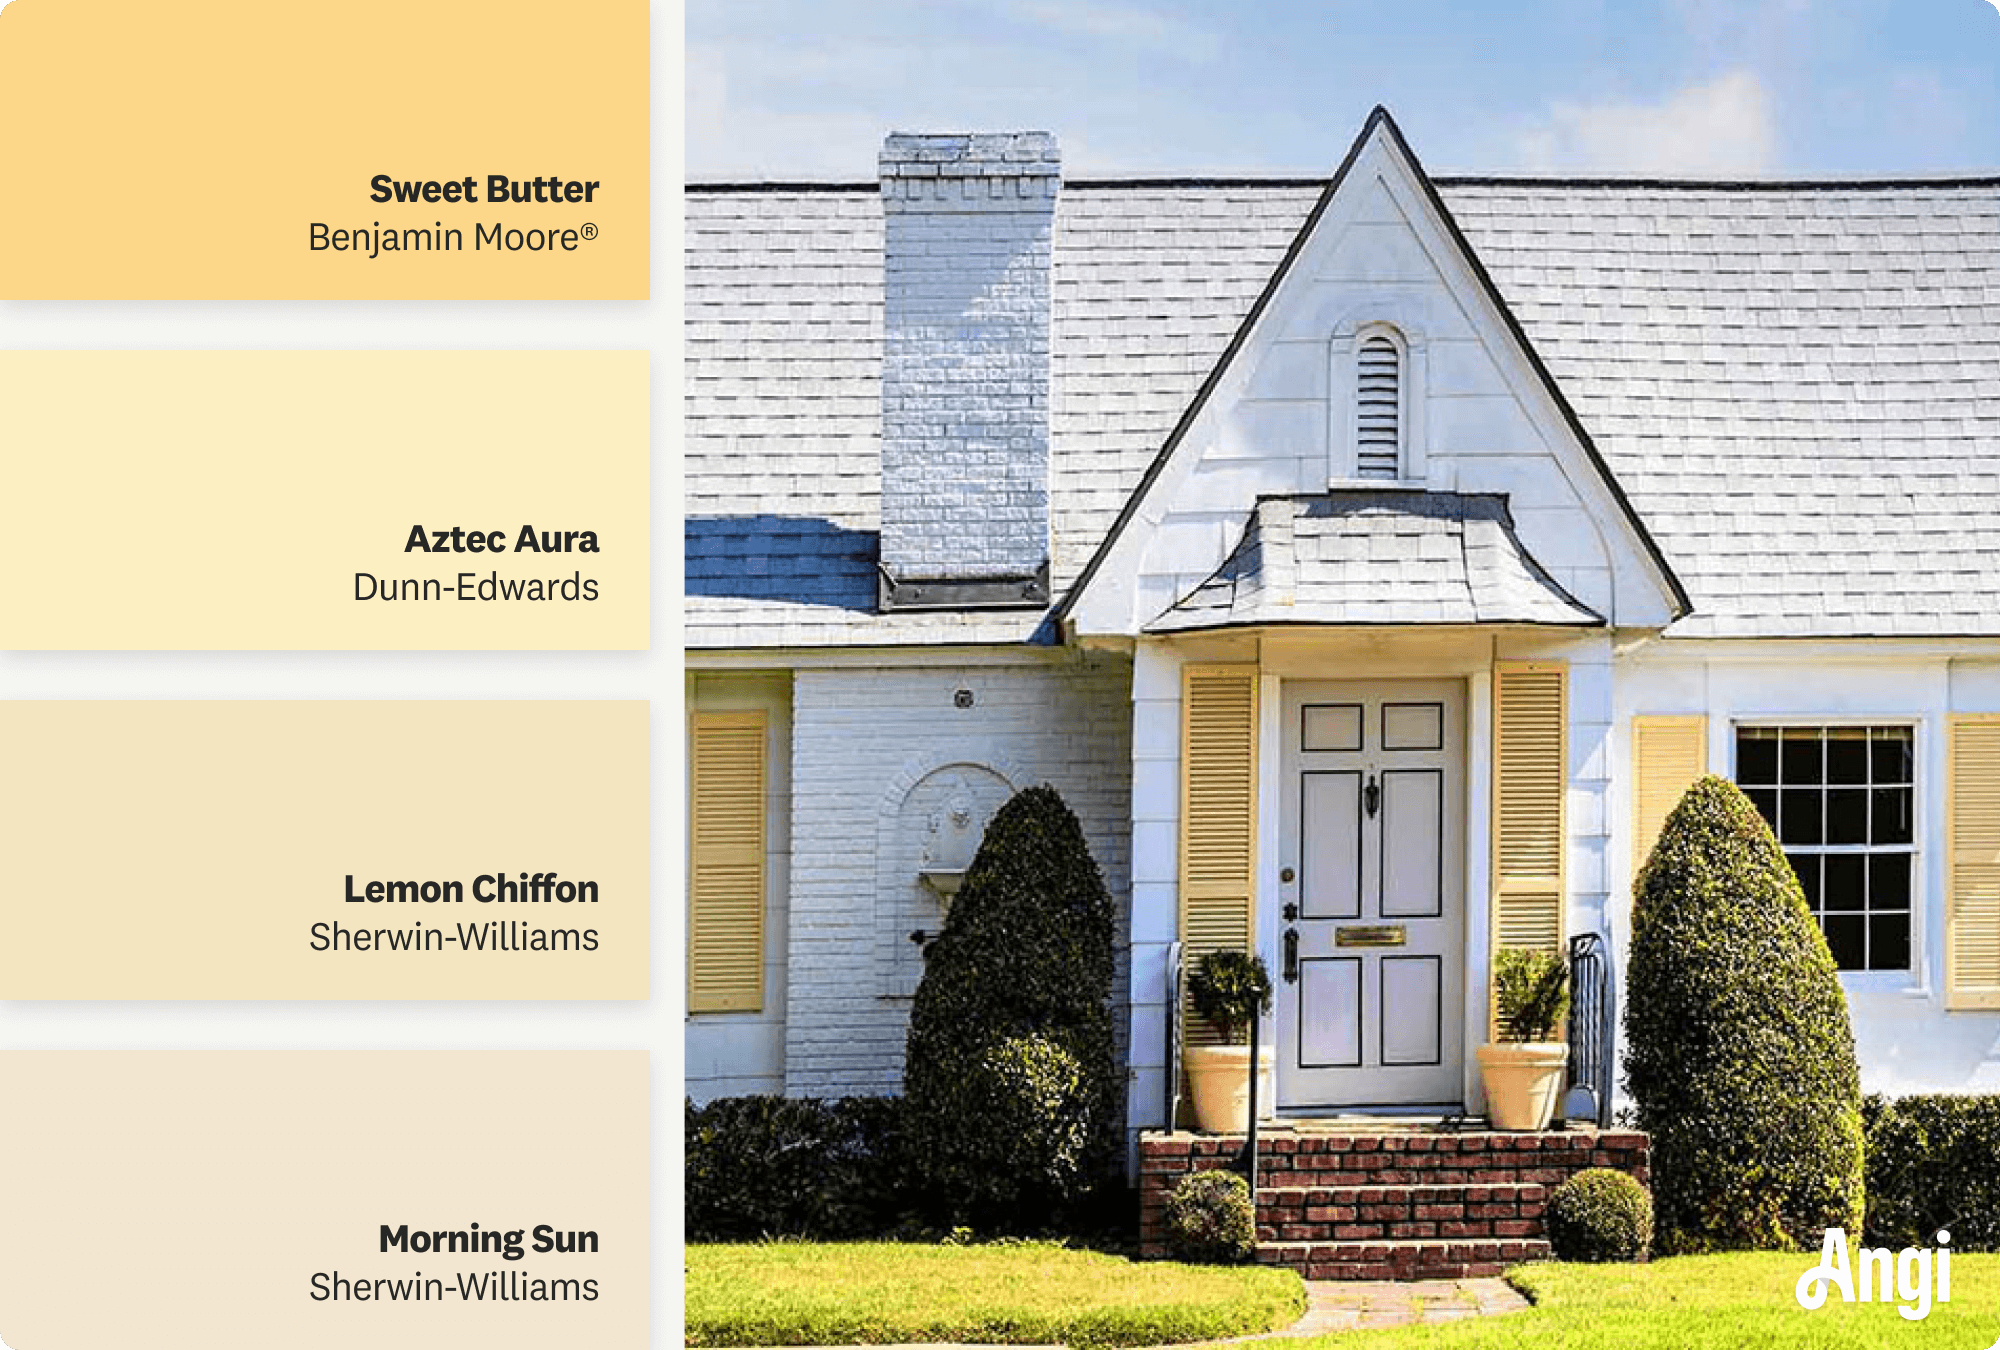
pixel 1218 862
pixel 1668 754
pixel 1530 778
pixel 726 826
pixel 1972 913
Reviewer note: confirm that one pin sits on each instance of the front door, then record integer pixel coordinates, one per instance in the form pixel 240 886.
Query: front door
pixel 1371 895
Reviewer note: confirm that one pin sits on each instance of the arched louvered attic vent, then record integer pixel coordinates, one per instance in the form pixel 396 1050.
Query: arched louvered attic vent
pixel 1378 409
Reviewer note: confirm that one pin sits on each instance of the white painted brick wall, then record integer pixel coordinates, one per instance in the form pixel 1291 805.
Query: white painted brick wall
pixel 965 354
pixel 861 739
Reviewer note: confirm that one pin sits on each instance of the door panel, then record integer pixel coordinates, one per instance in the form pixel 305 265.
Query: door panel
pixel 1372 843
pixel 1332 1038
pixel 1412 843
pixel 1330 854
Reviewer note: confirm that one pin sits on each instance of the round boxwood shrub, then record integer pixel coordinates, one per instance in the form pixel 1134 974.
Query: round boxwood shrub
pixel 1210 1219
pixel 1738 1053
pixel 1011 1029
pixel 1599 1214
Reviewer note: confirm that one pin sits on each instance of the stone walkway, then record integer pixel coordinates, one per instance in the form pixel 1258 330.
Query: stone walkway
pixel 1347 1305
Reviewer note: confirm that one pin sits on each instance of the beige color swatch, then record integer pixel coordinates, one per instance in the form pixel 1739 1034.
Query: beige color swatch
pixel 186 1200
pixel 201 850
pixel 204 501
pixel 186 150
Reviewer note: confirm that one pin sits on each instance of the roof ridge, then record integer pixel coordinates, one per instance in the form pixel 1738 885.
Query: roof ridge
pixel 1283 182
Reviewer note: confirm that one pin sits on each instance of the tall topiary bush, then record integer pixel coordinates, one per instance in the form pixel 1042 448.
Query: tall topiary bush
pixel 1013 1093
pixel 1738 1052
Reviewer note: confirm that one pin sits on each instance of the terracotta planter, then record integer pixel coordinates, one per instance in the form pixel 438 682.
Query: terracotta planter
pixel 1524 1082
pixel 1219 1083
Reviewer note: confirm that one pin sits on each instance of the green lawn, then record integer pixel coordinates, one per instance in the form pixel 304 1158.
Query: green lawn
pixel 807 1293
pixel 1724 1302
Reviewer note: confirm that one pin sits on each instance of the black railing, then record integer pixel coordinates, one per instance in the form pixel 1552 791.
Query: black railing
pixel 1590 1028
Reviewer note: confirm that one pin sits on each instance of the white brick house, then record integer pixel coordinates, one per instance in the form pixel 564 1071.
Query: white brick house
pixel 1377 552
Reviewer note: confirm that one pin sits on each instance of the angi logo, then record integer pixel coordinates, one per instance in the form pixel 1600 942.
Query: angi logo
pixel 1884 1276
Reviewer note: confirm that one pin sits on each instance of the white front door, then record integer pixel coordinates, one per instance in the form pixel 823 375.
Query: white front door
pixel 1371 894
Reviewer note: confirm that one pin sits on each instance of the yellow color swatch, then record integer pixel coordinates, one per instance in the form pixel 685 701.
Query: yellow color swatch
pixel 316 500
pixel 236 1200
pixel 213 149
pixel 354 850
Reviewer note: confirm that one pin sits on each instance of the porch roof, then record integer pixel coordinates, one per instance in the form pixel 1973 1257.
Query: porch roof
pixel 1377 558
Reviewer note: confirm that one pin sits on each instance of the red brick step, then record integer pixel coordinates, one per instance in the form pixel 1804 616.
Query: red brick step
pixel 1419 1260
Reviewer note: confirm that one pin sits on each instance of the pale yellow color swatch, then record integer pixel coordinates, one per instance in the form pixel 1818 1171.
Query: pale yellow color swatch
pixel 185 1200
pixel 183 149
pixel 185 850
pixel 230 500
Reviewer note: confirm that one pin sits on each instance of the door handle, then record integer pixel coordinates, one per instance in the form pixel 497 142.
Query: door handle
pixel 1291 956
pixel 1372 796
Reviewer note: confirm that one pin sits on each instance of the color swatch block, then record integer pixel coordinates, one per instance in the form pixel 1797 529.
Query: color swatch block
pixel 324 1200
pixel 316 500
pixel 303 850
pixel 244 150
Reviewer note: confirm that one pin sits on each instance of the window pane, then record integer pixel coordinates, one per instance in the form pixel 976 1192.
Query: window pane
pixel 1756 755
pixel 1889 942
pixel 1801 757
pixel 1807 867
pixel 1847 934
pixel 1847 816
pixel 1799 816
pixel 1893 748
pixel 1845 882
pixel 1847 754
pixel 1766 802
pixel 1889 881
pixel 1892 815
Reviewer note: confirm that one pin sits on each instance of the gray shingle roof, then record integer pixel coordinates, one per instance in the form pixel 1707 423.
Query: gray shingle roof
pixel 1377 558
pixel 1797 385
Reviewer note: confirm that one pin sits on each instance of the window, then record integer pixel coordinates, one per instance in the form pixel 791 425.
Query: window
pixel 1841 800
pixel 1378 408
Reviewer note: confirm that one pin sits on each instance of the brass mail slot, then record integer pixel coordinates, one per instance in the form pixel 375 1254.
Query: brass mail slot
pixel 1381 935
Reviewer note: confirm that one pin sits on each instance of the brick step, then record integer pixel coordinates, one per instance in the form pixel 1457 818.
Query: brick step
pixel 1353 1213
pixel 1409 1260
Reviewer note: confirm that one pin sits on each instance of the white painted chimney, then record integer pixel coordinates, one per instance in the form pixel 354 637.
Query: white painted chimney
pixel 965 369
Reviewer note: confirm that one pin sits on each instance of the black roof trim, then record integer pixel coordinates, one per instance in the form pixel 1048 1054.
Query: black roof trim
pixel 1612 182
pixel 782 185
pixel 1922 182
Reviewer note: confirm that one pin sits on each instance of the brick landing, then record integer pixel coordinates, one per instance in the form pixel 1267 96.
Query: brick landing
pixel 1393 1203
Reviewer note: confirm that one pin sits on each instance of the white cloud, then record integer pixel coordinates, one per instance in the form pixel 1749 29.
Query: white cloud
pixel 1726 126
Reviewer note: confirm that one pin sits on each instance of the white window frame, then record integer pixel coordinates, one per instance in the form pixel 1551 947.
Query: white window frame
pixel 1343 411
pixel 1916 979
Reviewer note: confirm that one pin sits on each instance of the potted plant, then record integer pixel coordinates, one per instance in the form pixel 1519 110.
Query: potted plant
pixel 1227 989
pixel 1524 1068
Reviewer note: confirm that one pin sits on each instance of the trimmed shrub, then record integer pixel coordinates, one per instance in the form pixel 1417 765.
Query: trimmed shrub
pixel 1210 1219
pixel 1227 989
pixel 1934 1163
pixel 1026 955
pixel 1599 1214
pixel 1738 1053
pixel 762 1167
pixel 1530 994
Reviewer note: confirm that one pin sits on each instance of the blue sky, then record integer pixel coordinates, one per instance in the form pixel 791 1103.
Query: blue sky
pixel 807 88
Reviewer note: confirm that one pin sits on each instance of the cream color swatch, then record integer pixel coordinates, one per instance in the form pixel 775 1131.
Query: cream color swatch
pixel 204 501
pixel 206 850
pixel 187 1200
